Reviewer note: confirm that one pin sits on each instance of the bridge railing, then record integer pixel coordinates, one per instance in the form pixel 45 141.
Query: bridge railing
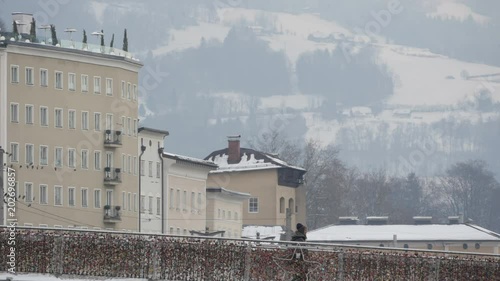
pixel 166 257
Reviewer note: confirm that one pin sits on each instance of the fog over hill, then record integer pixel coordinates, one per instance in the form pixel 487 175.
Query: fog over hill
pixel 402 85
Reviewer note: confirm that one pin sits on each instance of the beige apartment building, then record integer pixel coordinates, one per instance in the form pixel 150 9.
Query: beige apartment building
pixel 68 120
pixel 224 211
pixel 186 180
pixel 274 185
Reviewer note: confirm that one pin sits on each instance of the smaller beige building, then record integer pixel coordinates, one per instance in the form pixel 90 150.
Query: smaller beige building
pixel 224 211
pixel 186 181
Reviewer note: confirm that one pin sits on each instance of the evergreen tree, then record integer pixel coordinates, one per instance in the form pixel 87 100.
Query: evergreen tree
pixel 54 35
pixel 112 41
pixel 102 38
pixel 84 37
pixel 14 29
pixel 33 30
pixel 125 41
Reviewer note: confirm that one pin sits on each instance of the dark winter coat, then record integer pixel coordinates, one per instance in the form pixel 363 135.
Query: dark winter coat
pixel 299 237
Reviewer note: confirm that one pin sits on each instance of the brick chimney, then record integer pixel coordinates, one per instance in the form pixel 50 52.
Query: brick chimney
pixel 233 149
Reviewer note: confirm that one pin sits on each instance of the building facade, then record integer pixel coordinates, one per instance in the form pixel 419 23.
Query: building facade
pixel 186 180
pixel 152 188
pixel 274 185
pixel 68 121
pixel 224 211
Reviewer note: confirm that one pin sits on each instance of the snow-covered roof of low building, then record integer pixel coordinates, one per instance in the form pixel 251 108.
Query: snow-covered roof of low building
pixel 431 232
pixel 250 160
pixel 228 192
pixel 189 159
pixel 265 232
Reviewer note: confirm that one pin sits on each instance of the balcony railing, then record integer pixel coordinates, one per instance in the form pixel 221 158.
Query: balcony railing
pixel 112 214
pixel 112 176
pixel 112 138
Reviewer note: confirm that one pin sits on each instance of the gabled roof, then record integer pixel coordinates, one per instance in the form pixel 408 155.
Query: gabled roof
pixel 250 160
pixel 189 159
pixel 430 232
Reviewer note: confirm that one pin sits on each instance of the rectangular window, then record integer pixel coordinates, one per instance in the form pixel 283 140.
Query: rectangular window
pixel 109 121
pixel 97 121
pixel 150 169
pixel 184 200
pixel 178 199
pixel 109 159
pixel 158 169
pixel 71 157
pixel 172 199
pixel 71 196
pixel 135 128
pixel 58 157
pixel 44 155
pixel 85 158
pixel 142 167
pixel 135 202
pixel 28 192
pixel 124 200
pixel 129 90
pixel 85 198
pixel 58 117
pixel 130 164
pixel 72 119
pixel 14 112
pixel 253 205
pixel 44 116
pixel 85 83
pixel 123 125
pixel 150 204
pixel 135 165
pixel 129 201
pixel 143 202
pixel 44 194
pixel 123 89
pixel 109 197
pixel 135 92
pixel 71 81
pixel 97 160
pixel 29 114
pixel 158 205
pixel 30 154
pixel 97 198
pixel 193 201
pixel 14 150
pixel 58 195
pixel 14 74
pixel 129 126
pixel 59 80
pixel 124 163
pixel 29 75
pixel 97 85
pixel 199 202
pixel 109 86
pixel 85 120
pixel 44 77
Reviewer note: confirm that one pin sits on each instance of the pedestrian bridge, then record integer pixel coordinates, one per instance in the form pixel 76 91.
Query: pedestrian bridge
pixel 87 253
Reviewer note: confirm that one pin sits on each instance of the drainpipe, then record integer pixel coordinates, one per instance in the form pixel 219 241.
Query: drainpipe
pixel 143 148
pixel 160 155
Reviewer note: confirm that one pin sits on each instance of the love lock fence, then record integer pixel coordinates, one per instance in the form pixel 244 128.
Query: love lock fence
pixel 63 252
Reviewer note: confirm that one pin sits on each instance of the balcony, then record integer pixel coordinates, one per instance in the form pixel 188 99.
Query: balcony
pixel 112 139
pixel 112 214
pixel 112 176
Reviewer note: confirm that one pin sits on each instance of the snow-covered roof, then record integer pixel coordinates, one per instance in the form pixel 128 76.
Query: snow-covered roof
pixel 431 232
pixel 250 231
pixel 225 191
pixel 250 160
pixel 189 159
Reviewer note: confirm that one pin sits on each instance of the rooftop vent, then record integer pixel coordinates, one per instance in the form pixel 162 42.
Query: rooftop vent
pixel 376 220
pixel 422 220
pixel 348 220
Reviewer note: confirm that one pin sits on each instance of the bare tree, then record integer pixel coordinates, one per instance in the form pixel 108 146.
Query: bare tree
pixel 470 189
